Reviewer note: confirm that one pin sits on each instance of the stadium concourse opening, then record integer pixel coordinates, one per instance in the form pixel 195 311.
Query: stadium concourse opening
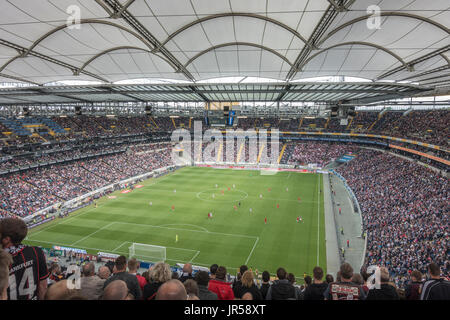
pixel 224 150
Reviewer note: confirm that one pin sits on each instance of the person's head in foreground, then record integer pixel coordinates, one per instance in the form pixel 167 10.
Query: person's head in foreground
pixel 5 262
pixel 346 272
pixel 160 272
pixel 120 265
pixel 434 271
pixel 221 273
pixel 172 290
pixel 12 232
pixel 117 290
pixel 61 290
pixel 247 279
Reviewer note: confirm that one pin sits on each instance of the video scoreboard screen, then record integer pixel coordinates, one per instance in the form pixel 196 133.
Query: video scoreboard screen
pixel 217 121
pixel 222 119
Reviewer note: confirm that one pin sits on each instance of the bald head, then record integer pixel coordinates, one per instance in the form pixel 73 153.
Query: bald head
pixel 60 291
pixel 116 290
pixel 89 269
pixel 172 290
pixel 247 296
pixel 104 272
pixel 187 268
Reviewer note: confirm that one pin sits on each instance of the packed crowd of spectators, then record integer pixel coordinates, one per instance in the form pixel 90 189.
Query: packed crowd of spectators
pixel 21 198
pixel 313 123
pixel 363 120
pixel 404 209
pixel 121 280
pixel 425 126
pixel 26 192
pixel 311 152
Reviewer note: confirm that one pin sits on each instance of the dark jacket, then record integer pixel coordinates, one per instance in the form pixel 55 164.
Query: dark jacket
pixel 237 288
pixel 205 294
pixel 315 291
pixel 412 290
pixel 150 290
pixel 256 294
pixel 130 280
pixel 386 292
pixel 186 276
pixel 434 289
pixel 281 290
pixel 264 288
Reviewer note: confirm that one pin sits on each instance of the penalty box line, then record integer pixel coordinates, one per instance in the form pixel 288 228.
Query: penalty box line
pixel 153 226
pixel 208 232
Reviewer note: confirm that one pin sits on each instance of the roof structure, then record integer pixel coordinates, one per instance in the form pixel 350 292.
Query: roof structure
pixel 349 93
pixel 45 41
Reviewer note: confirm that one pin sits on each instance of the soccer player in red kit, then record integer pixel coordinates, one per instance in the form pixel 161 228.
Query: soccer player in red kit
pixel 28 273
pixel 265 220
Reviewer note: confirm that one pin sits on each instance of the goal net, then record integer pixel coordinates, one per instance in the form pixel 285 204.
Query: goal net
pixel 147 252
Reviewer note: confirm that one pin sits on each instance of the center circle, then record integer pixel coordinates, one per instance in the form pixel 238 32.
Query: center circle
pixel 227 196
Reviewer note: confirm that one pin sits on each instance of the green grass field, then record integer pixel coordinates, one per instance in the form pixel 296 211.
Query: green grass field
pixel 231 238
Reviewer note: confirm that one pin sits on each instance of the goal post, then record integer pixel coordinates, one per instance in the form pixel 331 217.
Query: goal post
pixel 147 252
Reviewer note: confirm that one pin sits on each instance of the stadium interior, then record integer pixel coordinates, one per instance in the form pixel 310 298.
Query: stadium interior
pixel 95 95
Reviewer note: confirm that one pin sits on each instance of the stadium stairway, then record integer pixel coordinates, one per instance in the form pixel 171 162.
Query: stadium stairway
pixel 380 115
pixel 300 123
pixel 350 123
pixel 156 126
pixel 351 223
pixel 281 153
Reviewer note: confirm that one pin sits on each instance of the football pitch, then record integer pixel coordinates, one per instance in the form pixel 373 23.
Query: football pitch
pixel 177 206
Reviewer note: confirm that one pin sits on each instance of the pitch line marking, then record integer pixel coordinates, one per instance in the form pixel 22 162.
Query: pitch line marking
pixel 318 219
pixel 65 221
pixel 195 256
pixel 254 246
pixel 210 232
pixel 117 248
pixel 158 179
pixel 123 252
pixel 184 224
pixel 91 234
pixel 65 244
pixel 218 200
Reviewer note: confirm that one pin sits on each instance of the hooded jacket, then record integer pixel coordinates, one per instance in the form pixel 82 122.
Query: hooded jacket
pixel 221 288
